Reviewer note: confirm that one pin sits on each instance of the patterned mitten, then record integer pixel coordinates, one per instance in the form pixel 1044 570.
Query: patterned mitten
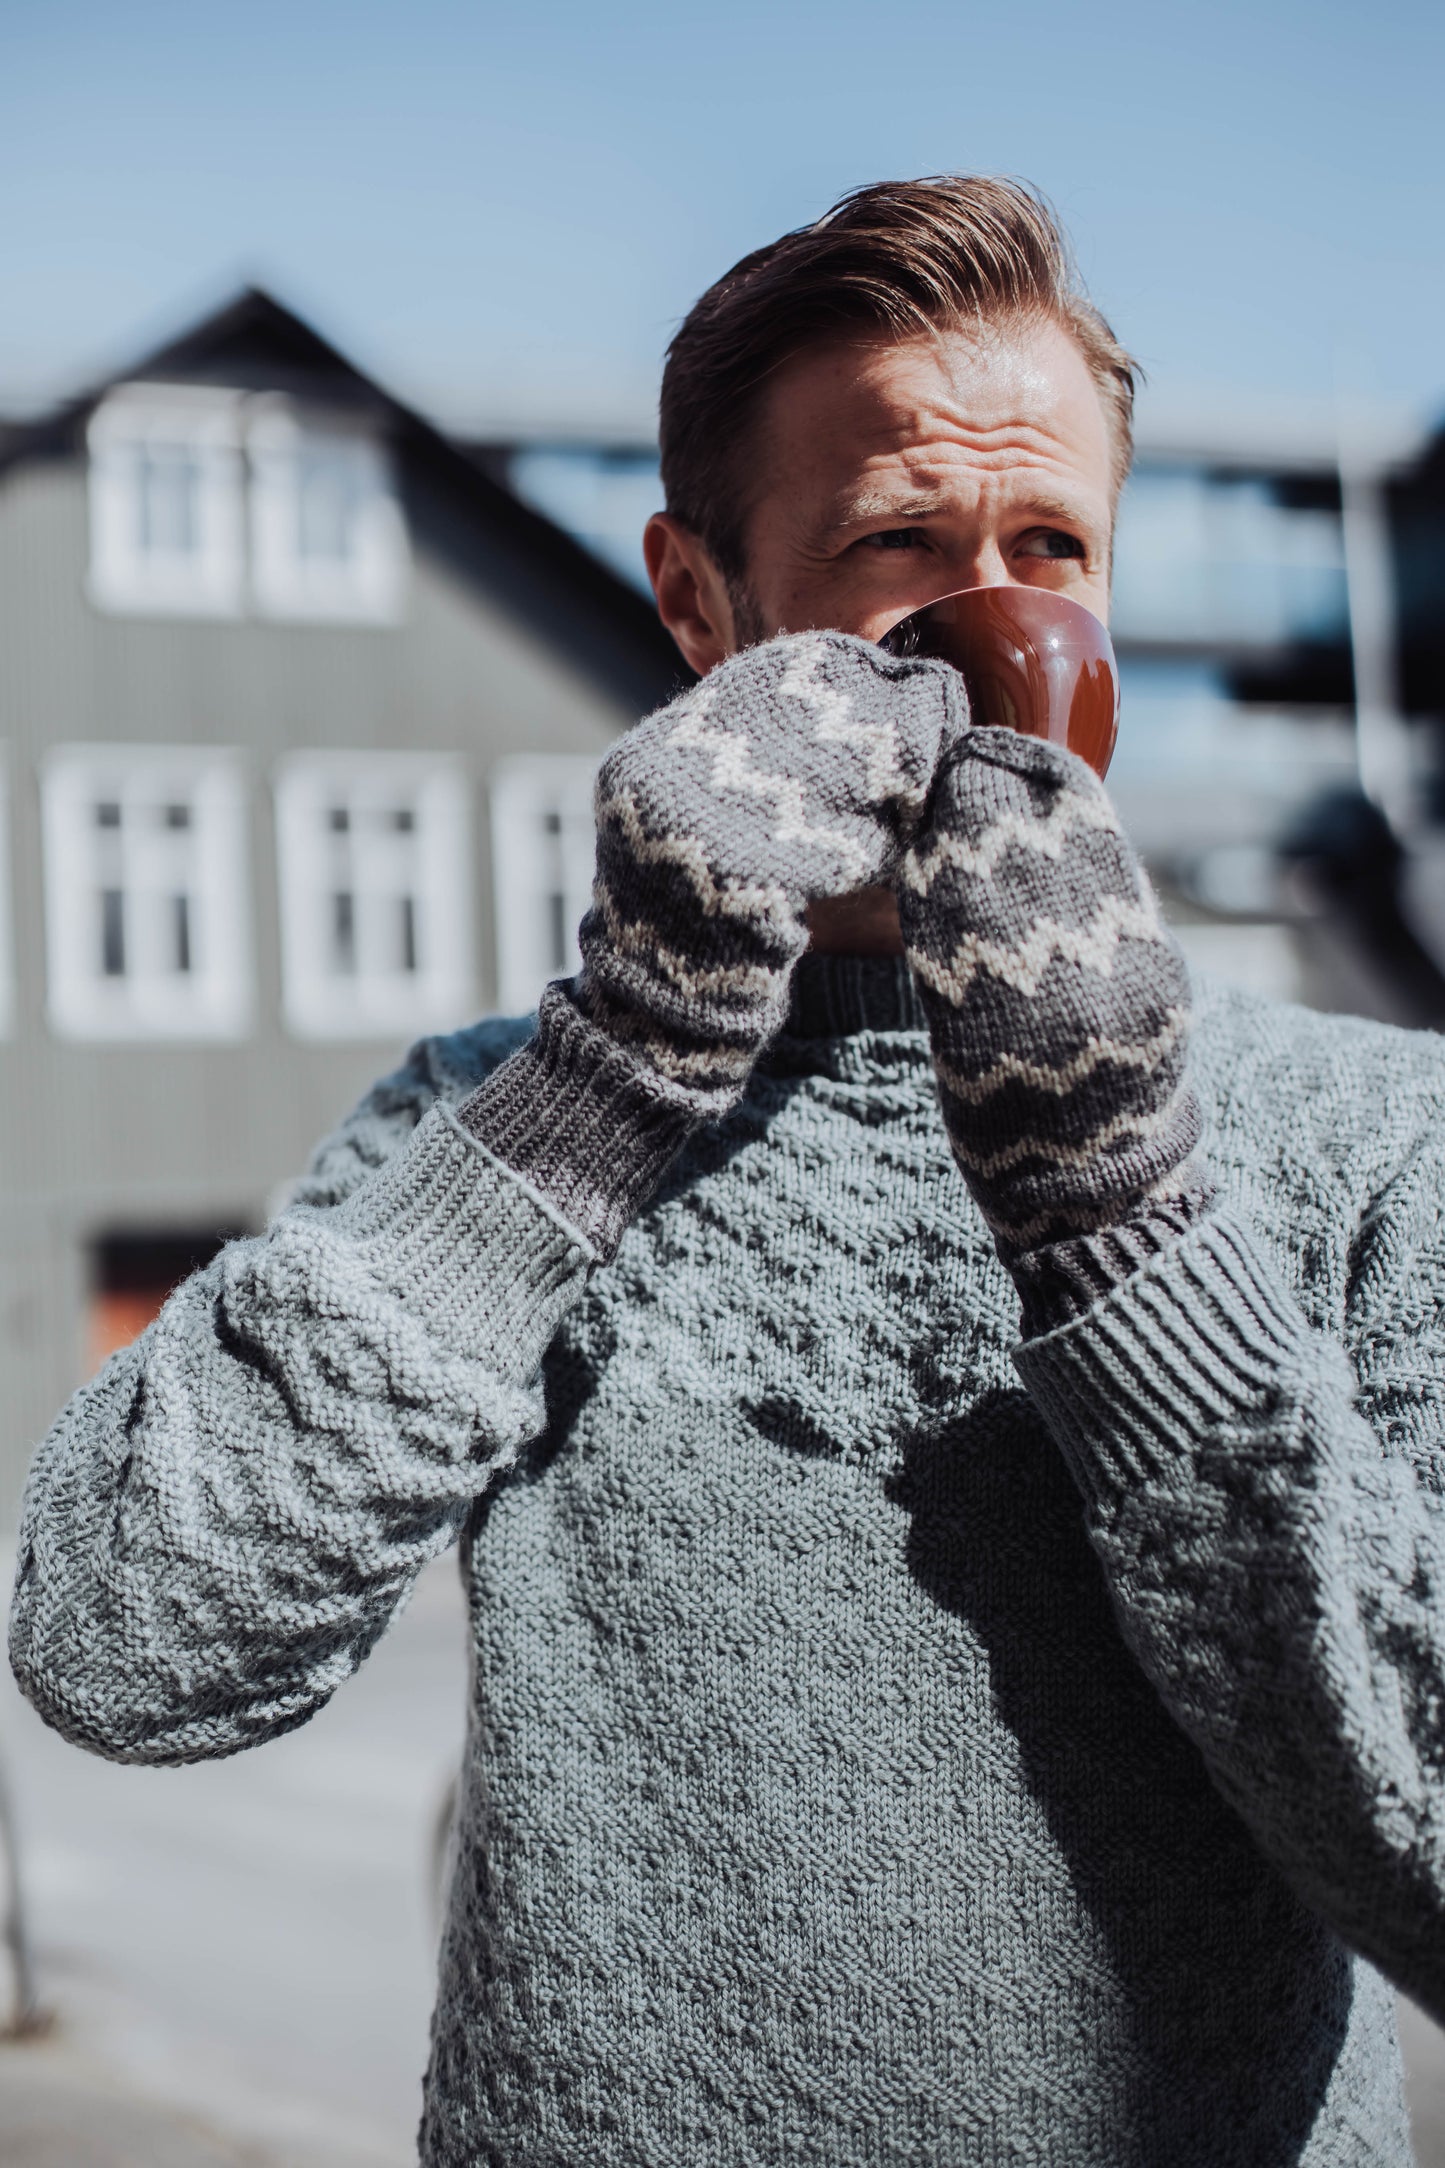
pixel 1059 1012
pixel 795 771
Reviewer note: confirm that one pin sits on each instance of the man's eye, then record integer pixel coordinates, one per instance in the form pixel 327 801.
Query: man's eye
pixel 894 538
pixel 1051 542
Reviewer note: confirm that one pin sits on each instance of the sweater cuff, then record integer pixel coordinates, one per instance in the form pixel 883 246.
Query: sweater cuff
pixel 490 1268
pixel 576 1117
pixel 1198 1345
pixel 1063 1280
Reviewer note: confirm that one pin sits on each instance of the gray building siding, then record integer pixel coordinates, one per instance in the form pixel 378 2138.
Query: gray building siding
pixel 494 657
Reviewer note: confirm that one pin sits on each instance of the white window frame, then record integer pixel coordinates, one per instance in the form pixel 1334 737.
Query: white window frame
pixel 127 579
pixel 369 586
pixel 371 1002
pixel 213 999
pixel 541 877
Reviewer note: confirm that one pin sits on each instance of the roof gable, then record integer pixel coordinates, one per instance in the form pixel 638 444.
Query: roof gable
pixel 569 596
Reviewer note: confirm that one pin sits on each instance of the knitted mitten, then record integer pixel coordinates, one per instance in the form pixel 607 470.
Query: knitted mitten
pixel 1059 1012
pixel 793 772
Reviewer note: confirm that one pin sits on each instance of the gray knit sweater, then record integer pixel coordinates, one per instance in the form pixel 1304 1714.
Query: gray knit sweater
pixel 889 1745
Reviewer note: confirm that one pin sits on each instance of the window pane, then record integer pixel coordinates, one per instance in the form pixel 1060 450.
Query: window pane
pixel 181 929
pixel 343 931
pixel 132 1273
pixel 169 501
pixel 328 534
pixel 1205 557
pixel 373 906
pixel 408 933
pixel 145 875
pixel 112 933
pixel 327 501
pixel 557 926
pixel 166 528
pixel 542 865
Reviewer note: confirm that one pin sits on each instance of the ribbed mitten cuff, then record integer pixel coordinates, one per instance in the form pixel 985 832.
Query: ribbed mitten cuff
pixel 1062 1280
pixel 581 1121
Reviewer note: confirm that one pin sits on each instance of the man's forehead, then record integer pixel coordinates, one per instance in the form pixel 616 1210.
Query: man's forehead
pixel 873 413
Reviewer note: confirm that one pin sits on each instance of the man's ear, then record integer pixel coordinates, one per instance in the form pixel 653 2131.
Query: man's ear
pixel 692 595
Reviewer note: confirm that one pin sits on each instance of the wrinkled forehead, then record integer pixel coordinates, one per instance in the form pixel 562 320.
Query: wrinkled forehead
pixel 989 407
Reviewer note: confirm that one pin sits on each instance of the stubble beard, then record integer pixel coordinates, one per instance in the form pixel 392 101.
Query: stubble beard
pixel 749 628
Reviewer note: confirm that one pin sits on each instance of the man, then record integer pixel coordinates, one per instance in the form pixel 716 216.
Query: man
pixel 956 1603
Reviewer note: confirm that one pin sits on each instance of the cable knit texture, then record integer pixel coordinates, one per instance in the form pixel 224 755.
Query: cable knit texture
pixel 880 1756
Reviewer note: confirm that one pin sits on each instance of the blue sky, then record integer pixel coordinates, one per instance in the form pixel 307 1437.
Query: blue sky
pixel 506 210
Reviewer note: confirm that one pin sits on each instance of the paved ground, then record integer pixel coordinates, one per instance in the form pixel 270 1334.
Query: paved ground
pixel 1425 2067
pixel 58 2112
pixel 239 1956
pixel 247 1944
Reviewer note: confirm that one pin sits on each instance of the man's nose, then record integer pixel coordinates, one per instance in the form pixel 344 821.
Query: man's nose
pixel 987 566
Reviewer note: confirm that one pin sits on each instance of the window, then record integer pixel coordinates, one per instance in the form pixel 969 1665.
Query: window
pixel 1247 560
pixel 375 894
pixel 170 467
pixel 327 535
pixel 131 1274
pixel 146 893
pixel 1196 769
pixel 165 501
pixel 543 850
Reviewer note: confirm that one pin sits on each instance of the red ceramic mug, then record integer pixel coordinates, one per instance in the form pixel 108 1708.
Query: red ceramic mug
pixel 1033 661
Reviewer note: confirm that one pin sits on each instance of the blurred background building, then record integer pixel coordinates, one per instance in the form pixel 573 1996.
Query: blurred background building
pixel 300 704
pixel 1277 575
pixel 299 710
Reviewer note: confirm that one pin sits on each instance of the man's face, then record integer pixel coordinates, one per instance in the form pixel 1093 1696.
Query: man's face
pixel 892 474
pixel 887 473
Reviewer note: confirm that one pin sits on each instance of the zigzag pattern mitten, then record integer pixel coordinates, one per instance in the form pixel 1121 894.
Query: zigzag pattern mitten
pixel 1058 1006
pixel 795 771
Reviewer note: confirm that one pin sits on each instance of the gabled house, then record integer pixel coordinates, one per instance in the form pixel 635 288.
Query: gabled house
pixel 299 711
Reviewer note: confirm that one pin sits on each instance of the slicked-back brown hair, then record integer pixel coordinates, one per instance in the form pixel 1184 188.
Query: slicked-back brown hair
pixel 904 258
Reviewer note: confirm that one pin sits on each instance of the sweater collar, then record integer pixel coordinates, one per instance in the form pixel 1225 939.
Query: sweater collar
pixel 835 996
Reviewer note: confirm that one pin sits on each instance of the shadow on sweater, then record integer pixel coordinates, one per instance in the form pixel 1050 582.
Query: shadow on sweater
pixel 997 1538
